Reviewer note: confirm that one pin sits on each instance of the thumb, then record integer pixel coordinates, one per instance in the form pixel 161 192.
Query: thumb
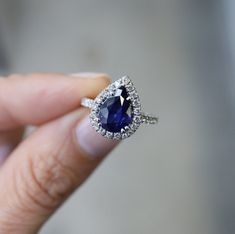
pixel 46 168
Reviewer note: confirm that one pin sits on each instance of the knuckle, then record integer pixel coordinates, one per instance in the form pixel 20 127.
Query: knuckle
pixel 53 181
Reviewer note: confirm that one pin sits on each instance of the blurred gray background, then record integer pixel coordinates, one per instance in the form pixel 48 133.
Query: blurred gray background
pixel 177 177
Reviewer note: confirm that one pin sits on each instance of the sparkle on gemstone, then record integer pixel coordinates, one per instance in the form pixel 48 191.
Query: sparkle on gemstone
pixel 116 112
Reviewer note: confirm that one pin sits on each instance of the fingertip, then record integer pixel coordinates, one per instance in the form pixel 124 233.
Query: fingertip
pixel 92 144
pixel 104 77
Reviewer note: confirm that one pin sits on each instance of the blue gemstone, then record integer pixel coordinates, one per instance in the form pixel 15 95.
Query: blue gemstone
pixel 116 112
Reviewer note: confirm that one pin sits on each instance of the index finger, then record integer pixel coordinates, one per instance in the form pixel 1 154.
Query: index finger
pixel 38 98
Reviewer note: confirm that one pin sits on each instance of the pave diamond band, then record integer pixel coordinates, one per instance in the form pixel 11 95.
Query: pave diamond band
pixel 116 112
pixel 145 118
pixel 87 102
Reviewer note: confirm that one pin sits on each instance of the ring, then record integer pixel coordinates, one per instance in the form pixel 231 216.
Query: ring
pixel 116 112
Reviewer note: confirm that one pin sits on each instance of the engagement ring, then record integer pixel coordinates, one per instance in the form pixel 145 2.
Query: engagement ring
pixel 116 112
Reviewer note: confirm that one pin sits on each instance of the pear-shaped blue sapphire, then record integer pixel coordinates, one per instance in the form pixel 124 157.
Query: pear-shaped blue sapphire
pixel 116 112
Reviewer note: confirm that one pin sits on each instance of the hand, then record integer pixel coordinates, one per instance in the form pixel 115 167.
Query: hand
pixel 39 172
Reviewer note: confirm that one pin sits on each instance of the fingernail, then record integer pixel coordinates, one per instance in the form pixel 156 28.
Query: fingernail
pixel 89 75
pixel 5 150
pixel 91 142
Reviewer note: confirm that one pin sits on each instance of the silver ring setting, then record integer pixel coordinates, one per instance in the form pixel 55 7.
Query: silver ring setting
pixel 116 112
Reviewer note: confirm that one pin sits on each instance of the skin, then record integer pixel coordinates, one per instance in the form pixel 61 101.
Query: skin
pixel 40 171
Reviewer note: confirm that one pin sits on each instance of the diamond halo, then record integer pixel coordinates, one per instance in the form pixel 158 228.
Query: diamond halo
pixel 137 116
